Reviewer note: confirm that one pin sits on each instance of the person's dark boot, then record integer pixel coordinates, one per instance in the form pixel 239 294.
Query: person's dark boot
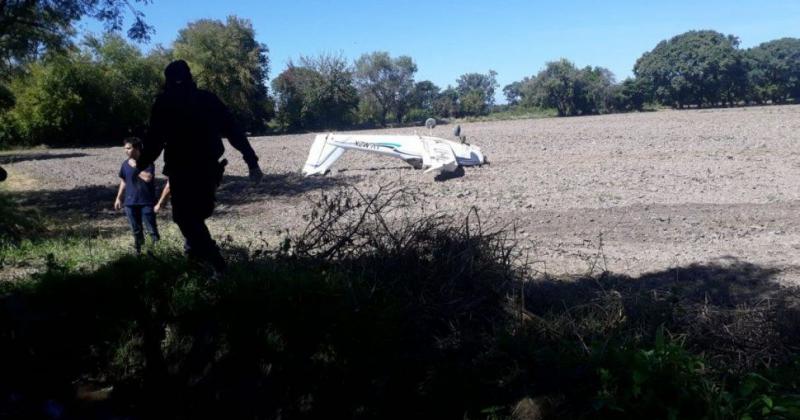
pixel 138 241
pixel 219 265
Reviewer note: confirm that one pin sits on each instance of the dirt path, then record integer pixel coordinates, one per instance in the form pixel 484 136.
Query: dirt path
pixel 630 193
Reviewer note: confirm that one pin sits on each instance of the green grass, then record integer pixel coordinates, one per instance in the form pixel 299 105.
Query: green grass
pixel 30 241
pixel 86 250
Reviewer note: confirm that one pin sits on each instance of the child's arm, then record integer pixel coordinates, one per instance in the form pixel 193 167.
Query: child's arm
pixel 118 201
pixel 164 196
pixel 146 175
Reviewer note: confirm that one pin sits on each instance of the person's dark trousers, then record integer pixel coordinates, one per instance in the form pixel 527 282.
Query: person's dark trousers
pixel 198 244
pixel 138 216
pixel 192 203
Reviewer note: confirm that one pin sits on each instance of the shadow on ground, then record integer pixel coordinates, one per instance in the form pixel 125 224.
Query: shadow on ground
pixel 240 190
pixel 78 210
pixel 84 212
pixel 76 205
pixel 444 176
pixel 96 202
pixel 375 168
pixel 727 282
pixel 22 157
pixel 732 310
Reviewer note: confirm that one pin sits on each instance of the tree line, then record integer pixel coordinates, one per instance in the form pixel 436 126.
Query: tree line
pixel 56 92
pixel 101 88
pixel 693 69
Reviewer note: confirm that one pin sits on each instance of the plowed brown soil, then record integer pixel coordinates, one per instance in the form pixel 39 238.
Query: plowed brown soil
pixel 629 193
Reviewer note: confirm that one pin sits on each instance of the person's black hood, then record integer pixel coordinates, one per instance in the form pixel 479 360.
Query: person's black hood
pixel 178 76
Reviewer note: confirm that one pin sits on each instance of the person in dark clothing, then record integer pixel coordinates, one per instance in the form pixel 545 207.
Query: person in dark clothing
pixel 188 124
pixel 137 193
pixel 3 174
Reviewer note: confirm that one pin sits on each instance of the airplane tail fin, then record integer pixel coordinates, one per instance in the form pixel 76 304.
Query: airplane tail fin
pixel 321 156
pixel 438 156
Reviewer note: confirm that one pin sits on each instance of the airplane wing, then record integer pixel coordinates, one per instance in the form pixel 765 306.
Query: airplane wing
pixel 438 155
pixel 321 156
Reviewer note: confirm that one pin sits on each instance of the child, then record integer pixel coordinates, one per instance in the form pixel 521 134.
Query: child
pixel 138 185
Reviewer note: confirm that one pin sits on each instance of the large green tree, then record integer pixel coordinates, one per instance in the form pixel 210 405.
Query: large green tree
pixel 226 59
pixel 476 92
pixel 135 78
pixel 422 101
pixel 557 86
pixel 386 81
pixel 694 68
pixel 447 104
pixel 318 93
pixel 30 27
pixel 595 93
pixel 424 95
pixel 95 95
pixel 775 70
pixel 630 95
pixel 573 91
pixel 513 91
pixel 570 90
pixel 290 88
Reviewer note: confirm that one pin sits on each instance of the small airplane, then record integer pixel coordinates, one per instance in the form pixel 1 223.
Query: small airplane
pixel 421 152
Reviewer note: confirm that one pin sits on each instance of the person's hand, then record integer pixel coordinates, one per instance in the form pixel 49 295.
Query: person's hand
pixel 255 173
pixel 117 204
pixel 157 207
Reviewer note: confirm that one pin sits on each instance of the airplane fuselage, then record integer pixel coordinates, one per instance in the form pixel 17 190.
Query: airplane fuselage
pixel 432 153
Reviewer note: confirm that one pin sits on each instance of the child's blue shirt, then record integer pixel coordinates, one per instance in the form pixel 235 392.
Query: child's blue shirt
pixel 138 192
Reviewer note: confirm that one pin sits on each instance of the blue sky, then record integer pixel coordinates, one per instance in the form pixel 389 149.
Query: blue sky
pixel 449 38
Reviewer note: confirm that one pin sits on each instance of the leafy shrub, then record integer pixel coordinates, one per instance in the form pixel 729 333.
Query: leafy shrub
pixel 7 99
pixel 9 131
pixel 94 96
pixel 16 223
pixel 665 380
pixel 417 115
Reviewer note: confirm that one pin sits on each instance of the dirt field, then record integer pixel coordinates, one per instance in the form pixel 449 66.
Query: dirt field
pixel 629 193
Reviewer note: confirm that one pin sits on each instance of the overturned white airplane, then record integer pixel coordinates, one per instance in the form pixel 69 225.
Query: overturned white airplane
pixel 421 152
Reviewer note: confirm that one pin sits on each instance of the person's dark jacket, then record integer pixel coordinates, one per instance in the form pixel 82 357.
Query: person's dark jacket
pixel 188 124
